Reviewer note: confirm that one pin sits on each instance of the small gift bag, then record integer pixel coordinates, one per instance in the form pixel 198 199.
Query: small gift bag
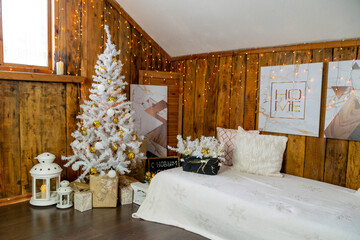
pixel 104 190
pixel 82 197
pixel 208 166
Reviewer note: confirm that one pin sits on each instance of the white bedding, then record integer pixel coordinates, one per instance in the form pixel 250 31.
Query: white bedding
pixel 233 205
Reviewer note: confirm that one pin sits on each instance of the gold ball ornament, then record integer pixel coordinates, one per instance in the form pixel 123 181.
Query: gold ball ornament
pixel 115 120
pixel 84 133
pixel 92 149
pixel 121 132
pixel 112 99
pixel 114 59
pixel 93 171
pixel 101 68
pixel 115 147
pixel 93 105
pixel 121 89
pixel 204 151
pixel 134 137
pixel 82 128
pixel 96 124
pixel 109 81
pixel 131 155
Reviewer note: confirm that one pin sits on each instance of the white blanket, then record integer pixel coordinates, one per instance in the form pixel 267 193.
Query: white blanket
pixel 233 205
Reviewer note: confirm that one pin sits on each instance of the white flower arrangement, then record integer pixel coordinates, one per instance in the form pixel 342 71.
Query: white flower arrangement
pixel 207 147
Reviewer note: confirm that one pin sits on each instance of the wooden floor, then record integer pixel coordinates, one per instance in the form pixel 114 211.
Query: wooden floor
pixel 23 221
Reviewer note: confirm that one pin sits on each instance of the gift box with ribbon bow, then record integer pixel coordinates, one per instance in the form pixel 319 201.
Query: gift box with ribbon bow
pixel 82 196
pixel 104 190
pixel 126 192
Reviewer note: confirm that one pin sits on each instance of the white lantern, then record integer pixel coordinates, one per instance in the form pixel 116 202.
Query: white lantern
pixel 46 178
pixel 65 195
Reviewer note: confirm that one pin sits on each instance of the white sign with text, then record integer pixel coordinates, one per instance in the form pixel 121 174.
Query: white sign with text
pixel 290 98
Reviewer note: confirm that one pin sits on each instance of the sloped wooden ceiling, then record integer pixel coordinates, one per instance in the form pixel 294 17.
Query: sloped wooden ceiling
pixel 191 27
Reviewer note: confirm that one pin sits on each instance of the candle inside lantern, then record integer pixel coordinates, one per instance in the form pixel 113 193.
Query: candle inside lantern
pixel 43 191
pixel 60 68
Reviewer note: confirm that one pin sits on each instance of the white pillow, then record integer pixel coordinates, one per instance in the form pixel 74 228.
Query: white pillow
pixel 259 154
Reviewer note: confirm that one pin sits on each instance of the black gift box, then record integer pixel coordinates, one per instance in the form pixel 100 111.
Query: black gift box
pixel 208 166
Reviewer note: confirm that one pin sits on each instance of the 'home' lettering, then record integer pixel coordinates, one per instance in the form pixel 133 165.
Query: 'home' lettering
pixel 291 97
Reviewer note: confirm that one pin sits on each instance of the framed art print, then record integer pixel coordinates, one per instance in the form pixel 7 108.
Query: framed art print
pixel 290 99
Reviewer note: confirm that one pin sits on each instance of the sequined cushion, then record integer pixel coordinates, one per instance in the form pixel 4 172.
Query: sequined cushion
pixel 227 136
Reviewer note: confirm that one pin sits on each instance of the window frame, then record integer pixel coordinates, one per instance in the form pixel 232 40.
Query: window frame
pixel 23 67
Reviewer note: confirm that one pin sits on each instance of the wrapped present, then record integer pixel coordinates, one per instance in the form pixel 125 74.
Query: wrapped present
pixel 125 190
pixel 140 190
pixel 208 166
pixel 82 196
pixel 83 201
pixel 104 190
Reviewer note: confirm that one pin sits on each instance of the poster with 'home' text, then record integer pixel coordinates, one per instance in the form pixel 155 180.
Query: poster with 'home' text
pixel 290 98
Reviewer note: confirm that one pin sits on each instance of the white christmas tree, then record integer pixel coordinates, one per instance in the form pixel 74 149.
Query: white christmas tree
pixel 105 138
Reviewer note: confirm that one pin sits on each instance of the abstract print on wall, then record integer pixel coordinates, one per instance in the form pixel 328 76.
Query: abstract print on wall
pixel 150 105
pixel 290 98
pixel 342 118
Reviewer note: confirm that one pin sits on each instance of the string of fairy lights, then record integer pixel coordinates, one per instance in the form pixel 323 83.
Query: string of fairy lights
pixel 135 41
pixel 151 59
pixel 185 66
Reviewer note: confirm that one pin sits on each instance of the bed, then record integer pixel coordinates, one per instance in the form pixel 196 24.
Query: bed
pixel 236 205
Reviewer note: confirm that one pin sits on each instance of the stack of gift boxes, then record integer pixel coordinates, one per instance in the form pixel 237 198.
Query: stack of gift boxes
pixel 103 191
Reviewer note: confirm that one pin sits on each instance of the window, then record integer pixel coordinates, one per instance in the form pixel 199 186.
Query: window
pixel 26 34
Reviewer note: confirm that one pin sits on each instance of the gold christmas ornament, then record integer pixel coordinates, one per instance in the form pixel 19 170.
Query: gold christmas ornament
pixel 115 120
pixel 115 147
pixel 111 99
pixel 92 149
pixel 93 105
pixel 131 155
pixel 101 68
pixel 121 132
pixel 96 124
pixel 109 81
pixel 134 137
pixel 93 171
pixel 114 59
pixel 82 128
pixel 204 151
pixel 84 133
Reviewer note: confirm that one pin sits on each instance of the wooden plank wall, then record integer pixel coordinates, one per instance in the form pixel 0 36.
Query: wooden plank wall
pixel 223 91
pixel 40 116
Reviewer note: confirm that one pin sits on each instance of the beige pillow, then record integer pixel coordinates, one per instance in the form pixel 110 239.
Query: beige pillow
pixel 259 154
pixel 227 136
